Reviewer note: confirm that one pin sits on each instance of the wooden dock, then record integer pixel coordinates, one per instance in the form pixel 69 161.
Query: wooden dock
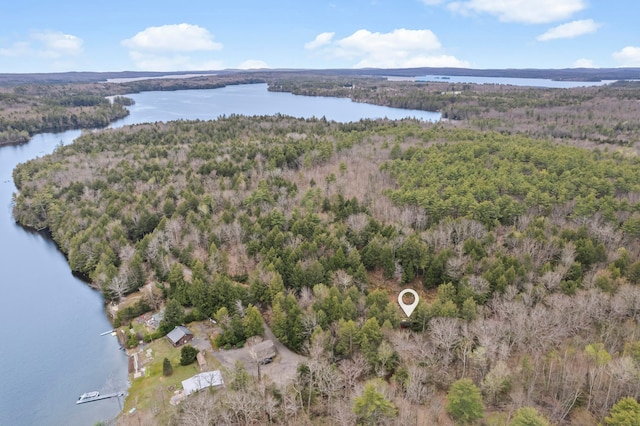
pixel 100 397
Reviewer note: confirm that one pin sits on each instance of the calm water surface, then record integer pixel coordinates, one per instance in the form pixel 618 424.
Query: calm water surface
pixel 52 350
pixel 254 99
pixel 50 321
pixel 531 82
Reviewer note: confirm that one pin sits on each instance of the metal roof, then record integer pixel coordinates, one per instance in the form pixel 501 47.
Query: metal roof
pixel 178 333
pixel 201 381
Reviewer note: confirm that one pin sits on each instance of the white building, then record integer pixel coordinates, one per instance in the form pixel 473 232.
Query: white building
pixel 201 381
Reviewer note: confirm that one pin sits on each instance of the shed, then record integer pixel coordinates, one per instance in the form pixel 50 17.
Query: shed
pixel 202 362
pixel 155 319
pixel 179 336
pixel 201 381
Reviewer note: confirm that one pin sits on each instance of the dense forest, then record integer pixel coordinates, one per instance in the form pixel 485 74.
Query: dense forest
pixel 24 115
pixel 589 115
pixel 524 252
pixel 28 109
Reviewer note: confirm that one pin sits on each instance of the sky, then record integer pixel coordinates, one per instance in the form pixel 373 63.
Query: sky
pixel 193 35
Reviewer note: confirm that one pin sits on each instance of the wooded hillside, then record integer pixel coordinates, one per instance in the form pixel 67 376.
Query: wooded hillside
pixel 525 254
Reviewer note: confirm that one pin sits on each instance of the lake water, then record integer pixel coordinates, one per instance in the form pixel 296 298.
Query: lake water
pixel 531 82
pixel 50 321
pixel 51 350
pixel 254 99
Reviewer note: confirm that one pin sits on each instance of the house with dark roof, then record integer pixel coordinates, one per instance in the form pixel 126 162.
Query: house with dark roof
pixel 179 336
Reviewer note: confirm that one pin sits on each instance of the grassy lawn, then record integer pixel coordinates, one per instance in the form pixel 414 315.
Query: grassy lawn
pixel 151 393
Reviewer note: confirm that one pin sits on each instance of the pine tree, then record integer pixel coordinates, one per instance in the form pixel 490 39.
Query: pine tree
pixel 188 355
pixel 464 402
pixel 528 416
pixel 252 322
pixel 626 412
pixel 372 408
pixel 167 369
pixel 173 316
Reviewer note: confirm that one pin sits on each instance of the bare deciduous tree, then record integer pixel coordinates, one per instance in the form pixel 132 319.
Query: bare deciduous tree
pixel 352 369
pixel 445 334
pixel 199 410
pixel 119 286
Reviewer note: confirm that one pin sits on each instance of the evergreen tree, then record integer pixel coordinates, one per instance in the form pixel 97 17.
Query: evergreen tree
pixel 173 316
pixel 625 412
pixel 188 355
pixel 464 402
pixel 252 322
pixel 347 337
pixel 167 368
pixel 372 408
pixel 528 416
pixel 370 338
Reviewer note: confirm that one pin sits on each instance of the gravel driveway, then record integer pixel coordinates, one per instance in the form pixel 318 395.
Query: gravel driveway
pixel 281 371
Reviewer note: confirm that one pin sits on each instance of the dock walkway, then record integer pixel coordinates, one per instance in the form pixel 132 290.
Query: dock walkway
pixel 100 397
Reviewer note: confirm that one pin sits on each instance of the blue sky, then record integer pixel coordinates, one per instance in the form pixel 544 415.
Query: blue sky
pixel 116 35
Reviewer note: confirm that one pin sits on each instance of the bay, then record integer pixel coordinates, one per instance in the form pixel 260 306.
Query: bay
pixel 51 321
pixel 254 99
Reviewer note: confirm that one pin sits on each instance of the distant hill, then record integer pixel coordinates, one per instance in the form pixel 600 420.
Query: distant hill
pixel 83 77
pixel 573 74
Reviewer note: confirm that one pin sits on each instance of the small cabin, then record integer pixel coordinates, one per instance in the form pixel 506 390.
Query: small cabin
pixel 264 351
pixel 179 336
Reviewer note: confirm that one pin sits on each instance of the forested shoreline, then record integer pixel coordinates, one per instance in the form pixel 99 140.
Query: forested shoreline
pixel 25 115
pixel 29 109
pixel 584 115
pixel 524 252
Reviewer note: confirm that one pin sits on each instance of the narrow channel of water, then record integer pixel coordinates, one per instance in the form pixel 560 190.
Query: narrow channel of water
pixel 50 321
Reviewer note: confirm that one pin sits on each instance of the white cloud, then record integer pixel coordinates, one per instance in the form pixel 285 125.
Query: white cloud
pixel 400 48
pixel 584 63
pixel 524 11
pixel 57 44
pixel 321 39
pixel 253 64
pixel 175 62
pixel 570 30
pixel 628 56
pixel 45 44
pixel 173 38
pixel 177 47
pixel 403 39
pixel 20 48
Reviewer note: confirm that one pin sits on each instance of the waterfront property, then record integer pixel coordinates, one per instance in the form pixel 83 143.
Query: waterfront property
pixel 179 336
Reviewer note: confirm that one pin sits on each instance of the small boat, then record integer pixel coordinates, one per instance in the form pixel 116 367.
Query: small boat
pixel 88 395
